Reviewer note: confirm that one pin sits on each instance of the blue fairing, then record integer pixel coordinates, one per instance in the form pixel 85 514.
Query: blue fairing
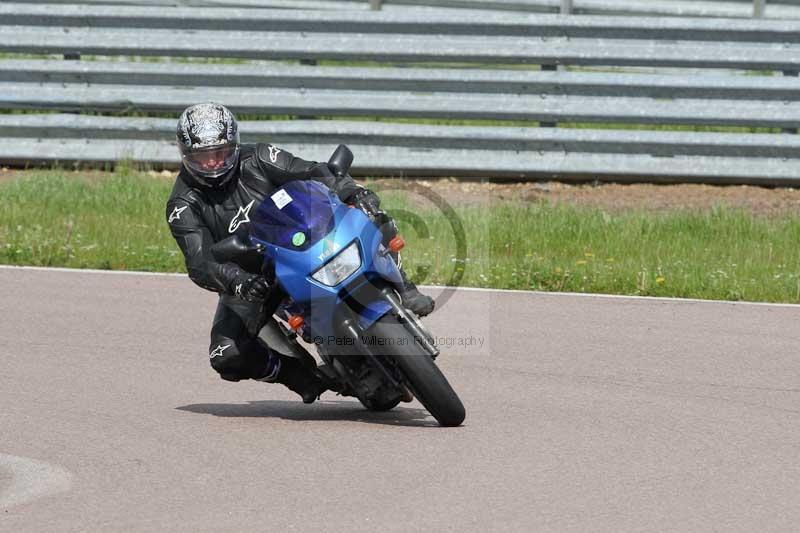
pixel 328 226
pixel 301 206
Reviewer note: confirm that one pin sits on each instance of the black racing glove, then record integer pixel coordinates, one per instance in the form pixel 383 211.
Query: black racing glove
pixel 253 289
pixel 370 203
pixel 366 200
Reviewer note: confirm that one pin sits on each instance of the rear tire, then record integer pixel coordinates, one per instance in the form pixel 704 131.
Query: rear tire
pixel 423 376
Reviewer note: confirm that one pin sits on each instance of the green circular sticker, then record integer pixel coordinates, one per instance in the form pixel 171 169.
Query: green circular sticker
pixel 299 238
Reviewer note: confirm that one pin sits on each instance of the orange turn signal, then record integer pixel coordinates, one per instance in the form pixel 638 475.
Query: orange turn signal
pixel 396 244
pixel 296 322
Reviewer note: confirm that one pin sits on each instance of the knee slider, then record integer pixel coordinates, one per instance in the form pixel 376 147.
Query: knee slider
pixel 225 358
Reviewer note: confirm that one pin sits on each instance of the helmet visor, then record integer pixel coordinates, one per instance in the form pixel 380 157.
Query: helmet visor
pixel 212 162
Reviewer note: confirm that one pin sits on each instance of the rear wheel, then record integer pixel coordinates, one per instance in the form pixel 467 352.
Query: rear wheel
pixel 423 376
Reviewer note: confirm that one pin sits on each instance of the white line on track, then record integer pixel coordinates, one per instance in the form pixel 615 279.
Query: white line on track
pixel 31 480
pixel 434 287
pixel 92 271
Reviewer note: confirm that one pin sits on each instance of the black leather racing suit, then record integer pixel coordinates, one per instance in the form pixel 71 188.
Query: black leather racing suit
pixel 199 216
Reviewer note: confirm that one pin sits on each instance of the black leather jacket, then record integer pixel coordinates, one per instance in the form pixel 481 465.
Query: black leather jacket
pixel 200 216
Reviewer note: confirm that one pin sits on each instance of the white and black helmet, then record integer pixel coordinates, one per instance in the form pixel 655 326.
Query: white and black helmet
pixel 208 138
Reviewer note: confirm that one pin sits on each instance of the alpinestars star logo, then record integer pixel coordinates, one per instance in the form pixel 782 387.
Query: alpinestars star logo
pixel 238 290
pixel 242 217
pixel 273 153
pixel 217 352
pixel 176 214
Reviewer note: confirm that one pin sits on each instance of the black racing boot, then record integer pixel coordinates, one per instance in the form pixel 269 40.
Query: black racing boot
pixel 418 303
pixel 299 379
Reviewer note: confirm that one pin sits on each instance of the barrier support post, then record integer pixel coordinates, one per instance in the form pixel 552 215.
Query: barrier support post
pixel 793 74
pixel 544 124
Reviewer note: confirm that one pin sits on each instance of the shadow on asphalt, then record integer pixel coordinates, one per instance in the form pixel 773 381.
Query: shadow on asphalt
pixel 320 411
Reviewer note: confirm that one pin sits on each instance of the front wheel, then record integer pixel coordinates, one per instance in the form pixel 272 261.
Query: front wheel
pixel 424 378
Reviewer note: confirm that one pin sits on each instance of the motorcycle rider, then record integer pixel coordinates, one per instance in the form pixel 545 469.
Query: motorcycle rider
pixel 220 183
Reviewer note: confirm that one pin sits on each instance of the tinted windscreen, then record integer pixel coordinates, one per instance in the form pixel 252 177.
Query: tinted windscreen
pixel 296 216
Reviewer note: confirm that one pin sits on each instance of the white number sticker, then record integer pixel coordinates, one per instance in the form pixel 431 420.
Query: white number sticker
pixel 281 198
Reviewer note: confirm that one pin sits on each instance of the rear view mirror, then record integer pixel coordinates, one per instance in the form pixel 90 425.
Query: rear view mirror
pixel 340 161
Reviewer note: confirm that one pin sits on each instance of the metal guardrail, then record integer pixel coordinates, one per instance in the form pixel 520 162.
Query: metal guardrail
pixel 399 48
pixel 703 8
pixel 424 66
pixel 776 9
pixel 470 24
pixel 379 160
pixel 275 4
pixel 690 8
pixel 418 80
pixel 421 136
pixel 447 106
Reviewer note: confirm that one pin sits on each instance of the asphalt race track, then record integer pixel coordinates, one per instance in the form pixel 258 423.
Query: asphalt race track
pixel 583 414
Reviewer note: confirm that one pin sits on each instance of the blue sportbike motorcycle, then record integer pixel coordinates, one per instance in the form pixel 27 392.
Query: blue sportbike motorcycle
pixel 336 285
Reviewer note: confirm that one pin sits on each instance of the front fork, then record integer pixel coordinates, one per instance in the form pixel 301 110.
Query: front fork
pixel 349 328
pixel 410 322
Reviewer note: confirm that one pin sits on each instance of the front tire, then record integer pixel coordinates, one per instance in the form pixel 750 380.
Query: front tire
pixel 424 378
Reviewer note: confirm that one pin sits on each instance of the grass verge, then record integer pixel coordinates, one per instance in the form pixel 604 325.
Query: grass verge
pixel 52 218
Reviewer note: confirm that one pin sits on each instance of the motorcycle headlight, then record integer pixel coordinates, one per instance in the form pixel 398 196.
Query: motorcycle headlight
pixel 340 266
